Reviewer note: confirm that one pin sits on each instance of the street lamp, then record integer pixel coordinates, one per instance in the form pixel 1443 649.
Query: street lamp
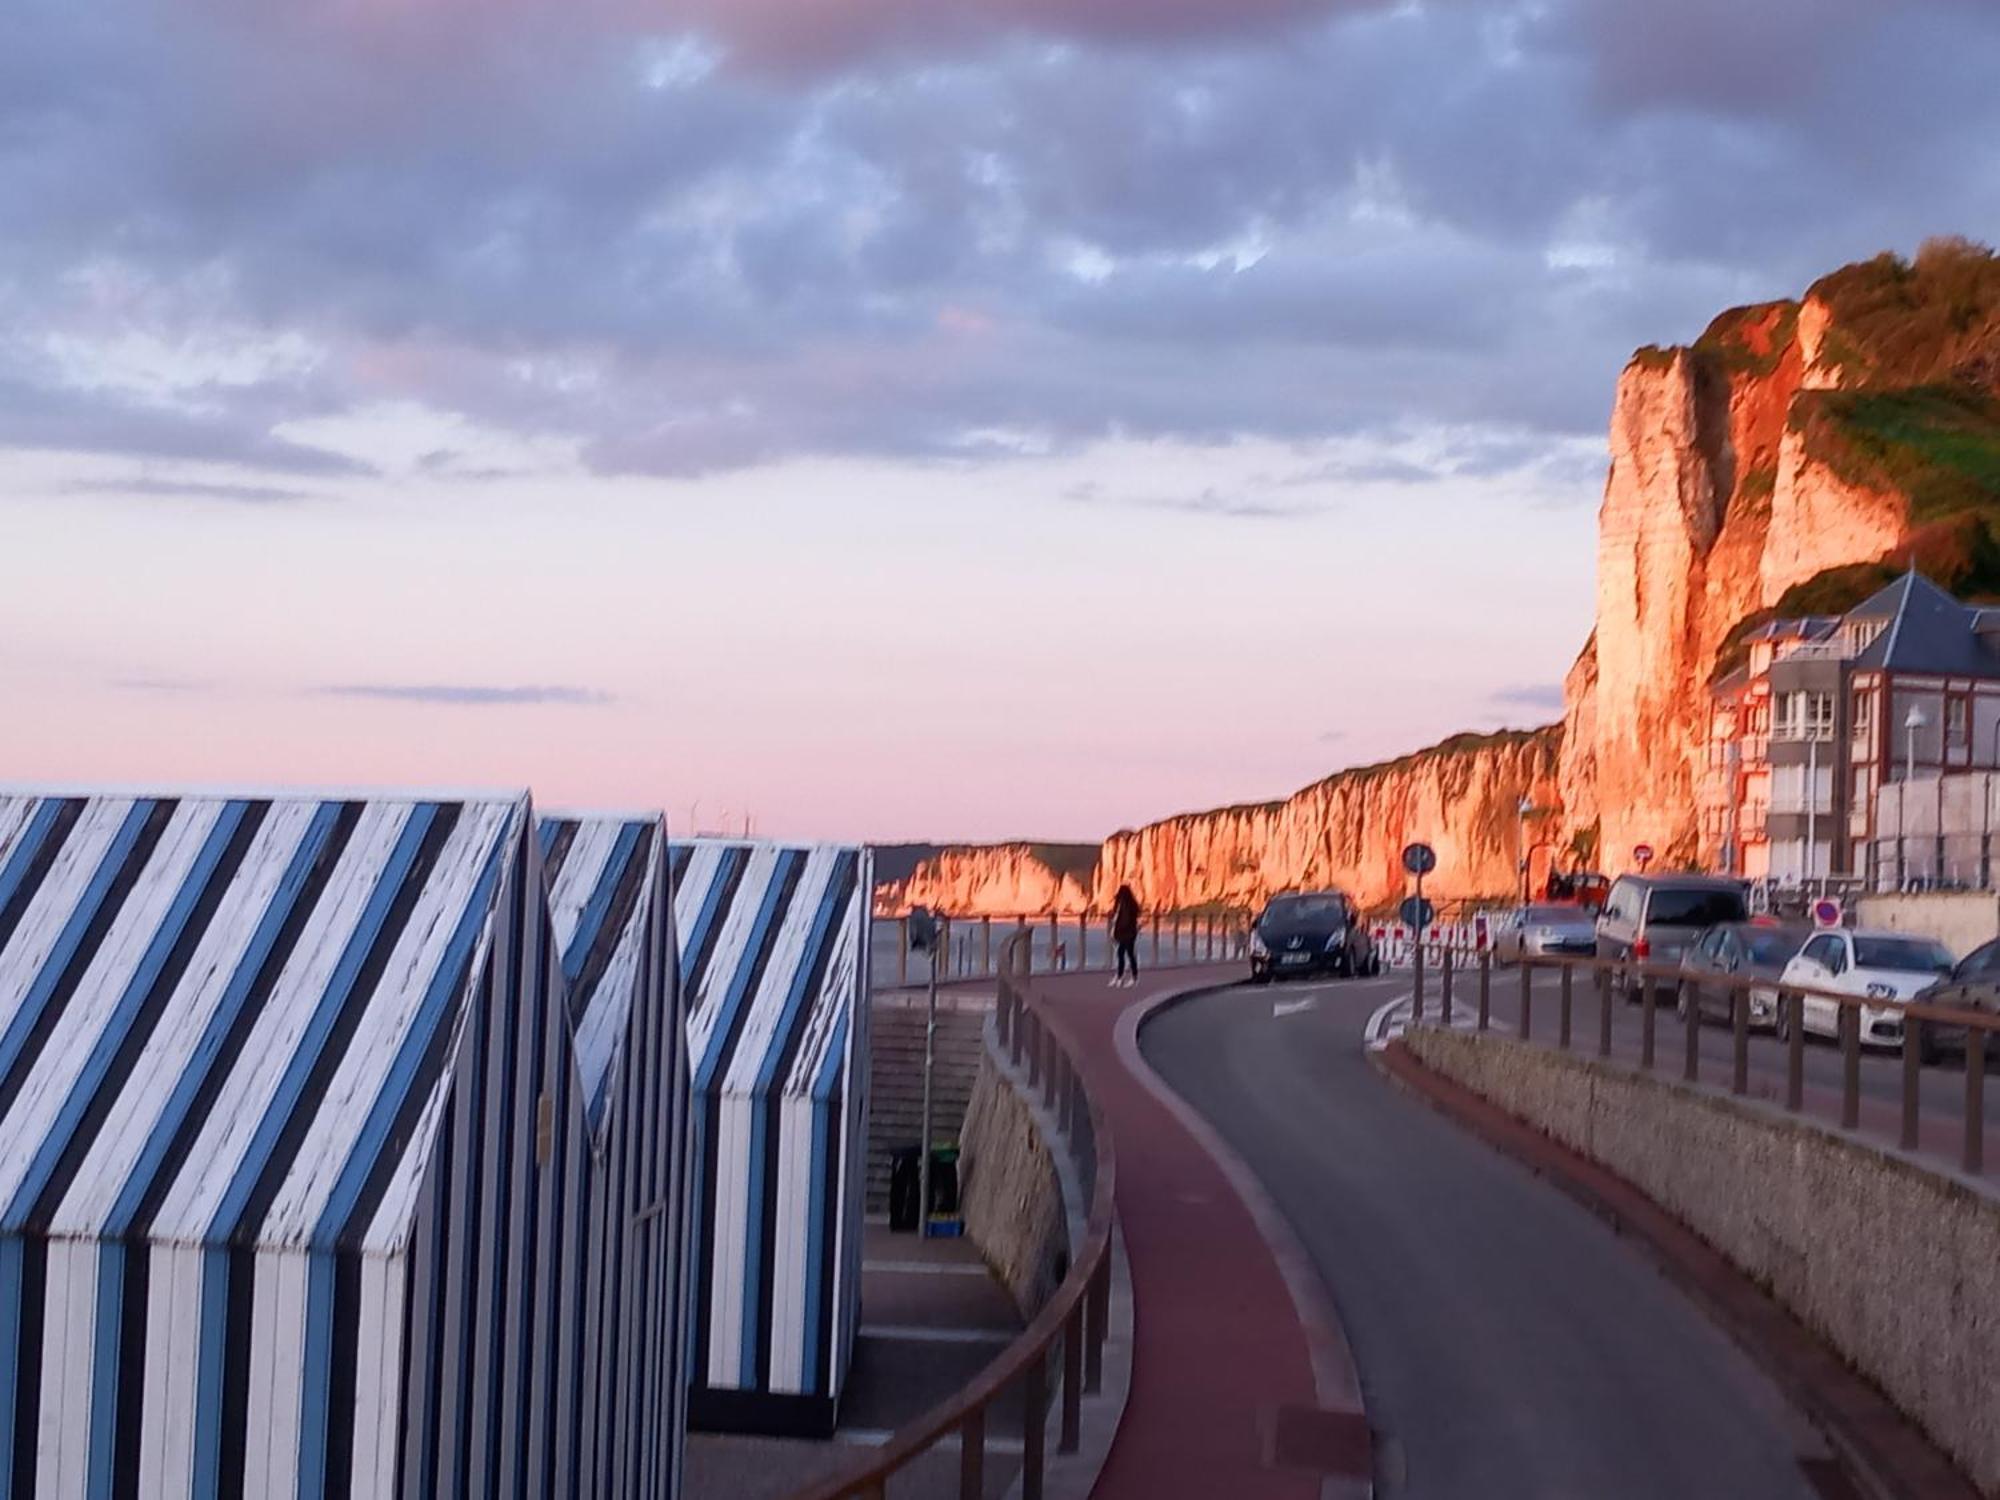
pixel 1521 842
pixel 1916 720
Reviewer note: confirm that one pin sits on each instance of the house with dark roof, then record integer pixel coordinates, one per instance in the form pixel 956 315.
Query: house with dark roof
pixel 1904 686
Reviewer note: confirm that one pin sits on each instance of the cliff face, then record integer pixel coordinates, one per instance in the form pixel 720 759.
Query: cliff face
pixel 1349 831
pixel 1791 459
pixel 990 880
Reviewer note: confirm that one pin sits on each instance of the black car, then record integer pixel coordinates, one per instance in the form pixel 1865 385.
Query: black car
pixel 1314 933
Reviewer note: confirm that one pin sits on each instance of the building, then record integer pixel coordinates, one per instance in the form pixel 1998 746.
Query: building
pixel 301 1193
pixel 1906 685
pixel 774 959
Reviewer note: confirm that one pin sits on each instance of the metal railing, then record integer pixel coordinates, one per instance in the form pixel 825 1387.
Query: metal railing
pixel 970 947
pixel 1925 1029
pixel 1070 1327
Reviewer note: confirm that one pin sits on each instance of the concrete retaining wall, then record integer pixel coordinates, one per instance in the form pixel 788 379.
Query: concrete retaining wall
pixel 1896 1266
pixel 1961 920
pixel 1009 1192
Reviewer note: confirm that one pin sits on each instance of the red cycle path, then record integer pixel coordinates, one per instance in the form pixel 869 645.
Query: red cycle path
pixel 1218 1348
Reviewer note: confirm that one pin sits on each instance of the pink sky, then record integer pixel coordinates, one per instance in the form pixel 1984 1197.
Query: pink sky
pixel 852 650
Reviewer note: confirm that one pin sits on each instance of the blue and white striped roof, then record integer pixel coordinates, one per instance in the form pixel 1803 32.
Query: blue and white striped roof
pixel 770 962
pixel 230 1020
pixel 599 871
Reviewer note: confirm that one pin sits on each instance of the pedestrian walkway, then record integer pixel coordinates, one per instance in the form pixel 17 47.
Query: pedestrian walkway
pixel 1231 1394
pixel 932 1317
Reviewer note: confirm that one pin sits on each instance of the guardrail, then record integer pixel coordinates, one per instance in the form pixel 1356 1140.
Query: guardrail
pixel 1071 1324
pixel 1939 1024
pixel 1076 943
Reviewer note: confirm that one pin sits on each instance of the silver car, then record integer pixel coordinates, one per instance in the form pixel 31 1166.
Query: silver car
pixel 1548 931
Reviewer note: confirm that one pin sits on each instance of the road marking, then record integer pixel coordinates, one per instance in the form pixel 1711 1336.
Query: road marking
pixel 1293 1007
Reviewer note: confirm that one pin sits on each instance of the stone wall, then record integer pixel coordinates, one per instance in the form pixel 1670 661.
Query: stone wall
pixel 1961 920
pixel 1008 1190
pixel 1896 1266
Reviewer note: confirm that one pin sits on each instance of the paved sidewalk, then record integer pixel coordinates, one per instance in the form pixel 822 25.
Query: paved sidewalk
pixel 1224 1388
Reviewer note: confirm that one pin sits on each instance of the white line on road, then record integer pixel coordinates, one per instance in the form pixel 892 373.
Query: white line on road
pixel 1293 1007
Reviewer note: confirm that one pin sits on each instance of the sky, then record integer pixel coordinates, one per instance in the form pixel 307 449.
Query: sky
pixel 887 419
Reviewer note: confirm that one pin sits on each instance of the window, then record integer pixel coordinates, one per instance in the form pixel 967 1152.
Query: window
pixel 1864 786
pixel 1696 906
pixel 1864 716
pixel 1821 951
pixel 1804 716
pixel 1913 955
pixel 1957 723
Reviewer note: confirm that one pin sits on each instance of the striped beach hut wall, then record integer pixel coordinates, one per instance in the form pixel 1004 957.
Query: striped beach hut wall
pixel 774 958
pixel 297 1178
pixel 612 917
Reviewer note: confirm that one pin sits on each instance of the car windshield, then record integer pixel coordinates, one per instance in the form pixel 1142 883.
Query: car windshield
pixel 1304 911
pixel 1912 954
pixel 1555 916
pixel 1772 945
pixel 1698 907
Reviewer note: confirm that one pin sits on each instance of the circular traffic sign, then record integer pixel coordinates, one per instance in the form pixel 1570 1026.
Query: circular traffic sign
pixel 1642 855
pixel 1826 912
pixel 1419 859
pixel 1417 911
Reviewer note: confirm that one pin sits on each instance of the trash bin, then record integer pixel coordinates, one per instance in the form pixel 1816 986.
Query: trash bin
pixel 944 1182
pixel 905 1172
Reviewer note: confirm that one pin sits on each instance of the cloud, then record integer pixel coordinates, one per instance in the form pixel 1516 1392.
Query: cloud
pixel 473 694
pixel 1209 502
pixel 722 233
pixel 241 494
pixel 149 684
pixel 1542 696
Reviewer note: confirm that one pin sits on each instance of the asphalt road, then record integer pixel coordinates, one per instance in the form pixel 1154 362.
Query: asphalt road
pixel 1509 1344
pixel 1941 1084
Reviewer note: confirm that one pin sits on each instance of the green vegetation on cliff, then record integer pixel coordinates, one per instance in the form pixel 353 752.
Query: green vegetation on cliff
pixel 1916 344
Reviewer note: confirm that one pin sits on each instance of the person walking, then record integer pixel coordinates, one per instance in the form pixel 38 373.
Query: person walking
pixel 1125 937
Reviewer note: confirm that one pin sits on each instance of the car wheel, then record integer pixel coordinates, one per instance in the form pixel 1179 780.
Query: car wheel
pixel 1343 967
pixel 1783 1024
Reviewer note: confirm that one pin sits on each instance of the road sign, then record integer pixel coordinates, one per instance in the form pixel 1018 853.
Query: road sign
pixel 1416 911
pixel 1419 859
pixel 1642 855
pixel 1826 912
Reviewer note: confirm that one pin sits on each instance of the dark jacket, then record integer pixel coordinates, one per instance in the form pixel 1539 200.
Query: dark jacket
pixel 1125 920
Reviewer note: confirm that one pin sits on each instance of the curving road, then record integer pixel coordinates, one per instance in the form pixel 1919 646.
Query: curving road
pixel 1509 1344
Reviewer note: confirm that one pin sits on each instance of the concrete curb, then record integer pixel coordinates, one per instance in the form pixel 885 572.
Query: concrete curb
pixel 1881 1449
pixel 1335 1377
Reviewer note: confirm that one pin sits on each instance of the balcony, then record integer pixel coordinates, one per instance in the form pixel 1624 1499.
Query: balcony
pixel 1834 650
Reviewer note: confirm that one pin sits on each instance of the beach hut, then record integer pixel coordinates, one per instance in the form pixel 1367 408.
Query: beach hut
pixel 297 1177
pixel 774 958
pixel 612 921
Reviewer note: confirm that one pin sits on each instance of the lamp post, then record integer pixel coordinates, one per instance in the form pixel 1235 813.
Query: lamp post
pixel 1521 842
pixel 1915 720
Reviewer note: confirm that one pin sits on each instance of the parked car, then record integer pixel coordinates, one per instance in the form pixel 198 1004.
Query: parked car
pixel 1972 984
pixel 1653 918
pixel 1544 931
pixel 1727 955
pixel 1890 968
pixel 1314 932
